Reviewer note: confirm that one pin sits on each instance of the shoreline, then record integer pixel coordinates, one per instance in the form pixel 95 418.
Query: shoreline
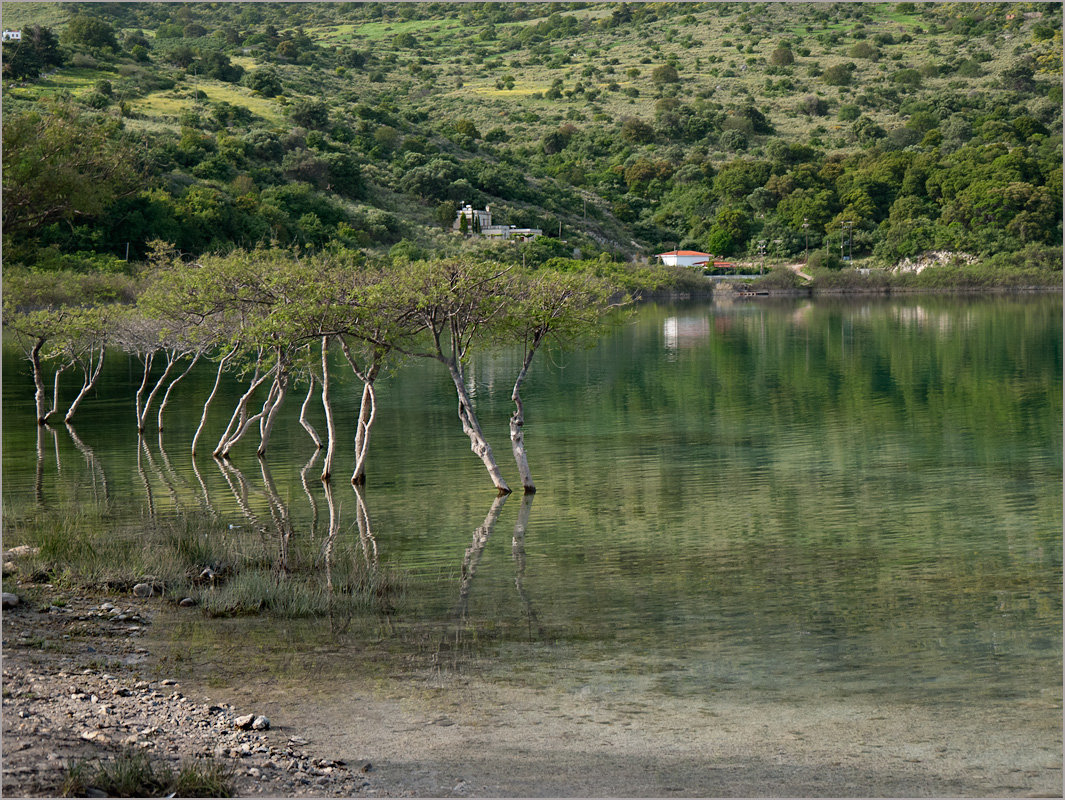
pixel 78 685
pixel 732 293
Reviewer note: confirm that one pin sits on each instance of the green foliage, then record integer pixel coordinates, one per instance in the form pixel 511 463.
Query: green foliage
pixel 36 52
pixel 361 109
pixel 60 165
pixel 132 774
pixel 91 32
pixel 824 260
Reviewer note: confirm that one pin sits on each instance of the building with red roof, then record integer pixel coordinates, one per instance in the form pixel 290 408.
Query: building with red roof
pixel 684 258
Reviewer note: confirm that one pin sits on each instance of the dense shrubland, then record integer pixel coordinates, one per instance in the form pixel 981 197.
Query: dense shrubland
pixel 619 129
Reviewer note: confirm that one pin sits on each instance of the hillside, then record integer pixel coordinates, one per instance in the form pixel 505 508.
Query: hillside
pixel 624 129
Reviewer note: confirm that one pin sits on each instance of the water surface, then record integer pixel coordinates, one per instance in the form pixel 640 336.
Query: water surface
pixel 804 500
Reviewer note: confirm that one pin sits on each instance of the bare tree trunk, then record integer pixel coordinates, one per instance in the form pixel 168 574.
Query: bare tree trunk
pixel 173 383
pixel 139 400
pixel 240 413
pixel 90 375
pixel 171 360
pixel 210 397
pixel 55 389
pixel 367 412
pixel 266 425
pixel 303 415
pixel 38 381
pixel 249 421
pixel 478 444
pixel 517 426
pixel 327 465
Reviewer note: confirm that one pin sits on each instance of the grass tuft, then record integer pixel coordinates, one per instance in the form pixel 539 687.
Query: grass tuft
pixel 132 774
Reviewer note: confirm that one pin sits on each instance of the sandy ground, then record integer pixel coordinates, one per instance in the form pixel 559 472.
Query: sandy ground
pixel 451 734
pixel 465 737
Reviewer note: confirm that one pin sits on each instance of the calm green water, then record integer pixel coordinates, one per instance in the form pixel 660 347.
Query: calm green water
pixel 797 498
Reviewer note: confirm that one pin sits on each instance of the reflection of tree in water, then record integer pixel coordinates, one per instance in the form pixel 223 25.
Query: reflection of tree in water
pixel 457 645
pixel 368 547
pixel 94 465
pixel 473 558
pixel 307 488
pixel 517 549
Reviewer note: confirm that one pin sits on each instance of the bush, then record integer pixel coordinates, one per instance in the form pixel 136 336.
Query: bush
pixel 780 278
pixel 838 75
pixel 824 259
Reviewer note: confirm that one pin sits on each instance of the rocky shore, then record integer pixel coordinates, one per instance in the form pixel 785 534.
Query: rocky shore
pixel 79 685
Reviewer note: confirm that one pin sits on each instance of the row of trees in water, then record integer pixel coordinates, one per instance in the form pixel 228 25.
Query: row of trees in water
pixel 271 319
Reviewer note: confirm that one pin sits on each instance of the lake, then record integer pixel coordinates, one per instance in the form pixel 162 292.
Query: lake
pixel 753 508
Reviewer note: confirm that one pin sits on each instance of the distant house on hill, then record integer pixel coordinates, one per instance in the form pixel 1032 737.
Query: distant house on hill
pixel 12 36
pixel 684 258
pixel 475 222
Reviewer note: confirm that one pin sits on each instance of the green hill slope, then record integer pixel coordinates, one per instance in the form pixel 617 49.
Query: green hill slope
pixel 624 129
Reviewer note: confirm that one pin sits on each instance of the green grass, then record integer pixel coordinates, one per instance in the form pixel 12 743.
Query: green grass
pixel 82 551
pixel 19 15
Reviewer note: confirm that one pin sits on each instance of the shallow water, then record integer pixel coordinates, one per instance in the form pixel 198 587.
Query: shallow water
pixel 811 501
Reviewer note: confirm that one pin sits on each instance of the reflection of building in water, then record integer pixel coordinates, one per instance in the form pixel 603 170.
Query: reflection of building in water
pixel 921 317
pixel 685 331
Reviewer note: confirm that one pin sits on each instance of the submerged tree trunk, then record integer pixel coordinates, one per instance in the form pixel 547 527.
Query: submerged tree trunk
pixel 239 422
pixel 367 411
pixel 478 444
pixel 367 414
pixel 517 425
pixel 90 375
pixel 173 383
pixel 275 390
pixel 210 397
pixel 55 389
pixel 38 381
pixel 266 425
pixel 330 426
pixel 303 415
pixel 143 413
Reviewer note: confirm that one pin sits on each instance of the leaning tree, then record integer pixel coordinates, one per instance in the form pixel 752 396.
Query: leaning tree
pixel 455 303
pixel 546 305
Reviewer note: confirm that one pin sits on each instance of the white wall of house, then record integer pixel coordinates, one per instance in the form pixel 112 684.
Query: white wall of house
pixel 684 258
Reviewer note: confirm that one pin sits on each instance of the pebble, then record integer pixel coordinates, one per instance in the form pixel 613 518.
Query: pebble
pixel 244 722
pixel 10 600
pixel 260 724
pixel 186 602
pixel 142 590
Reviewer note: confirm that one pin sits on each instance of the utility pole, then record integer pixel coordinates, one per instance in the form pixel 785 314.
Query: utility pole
pixel 850 239
pixel 761 252
pixel 806 230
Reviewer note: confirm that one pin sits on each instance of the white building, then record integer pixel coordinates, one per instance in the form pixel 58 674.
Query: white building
pixel 12 36
pixel 685 258
pixel 479 223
